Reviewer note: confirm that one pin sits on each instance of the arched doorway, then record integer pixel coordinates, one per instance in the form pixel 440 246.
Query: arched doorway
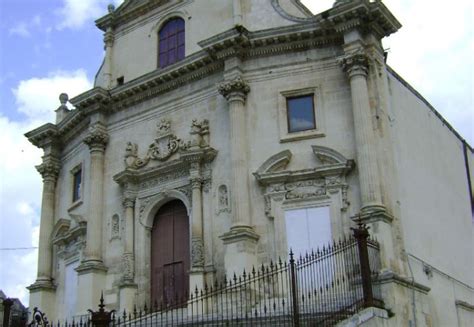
pixel 170 254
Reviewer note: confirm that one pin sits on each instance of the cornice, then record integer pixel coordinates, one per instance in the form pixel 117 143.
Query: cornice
pixel 43 135
pixel 363 14
pixel 325 29
pixel 127 12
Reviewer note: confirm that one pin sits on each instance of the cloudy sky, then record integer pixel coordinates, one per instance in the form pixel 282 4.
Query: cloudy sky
pixel 52 46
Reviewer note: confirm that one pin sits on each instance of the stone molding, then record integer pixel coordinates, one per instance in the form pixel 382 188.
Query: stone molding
pixel 324 30
pixel 42 285
pixel 391 277
pixel 97 138
pixel 69 238
pixel 276 5
pixel 128 202
pixel 279 184
pixel 464 305
pixel 239 234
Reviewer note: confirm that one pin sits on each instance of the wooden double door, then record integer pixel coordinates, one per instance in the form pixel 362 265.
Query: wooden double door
pixel 170 255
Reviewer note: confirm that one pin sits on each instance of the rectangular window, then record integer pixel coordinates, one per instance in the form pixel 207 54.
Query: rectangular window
pixel 300 113
pixel 76 184
pixel 308 229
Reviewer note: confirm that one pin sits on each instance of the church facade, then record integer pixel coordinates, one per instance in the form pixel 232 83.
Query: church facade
pixel 217 137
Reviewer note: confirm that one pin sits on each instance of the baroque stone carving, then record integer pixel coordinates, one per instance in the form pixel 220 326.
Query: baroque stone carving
pixel 49 169
pixel 199 133
pixel 197 252
pixel 127 267
pixel 223 200
pixel 356 63
pixel 166 144
pixel 97 138
pixel 237 85
pixel 115 227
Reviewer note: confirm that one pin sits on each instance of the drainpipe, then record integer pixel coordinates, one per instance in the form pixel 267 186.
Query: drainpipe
pixel 468 173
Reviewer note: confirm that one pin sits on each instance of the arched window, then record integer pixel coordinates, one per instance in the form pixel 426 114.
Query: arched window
pixel 171 42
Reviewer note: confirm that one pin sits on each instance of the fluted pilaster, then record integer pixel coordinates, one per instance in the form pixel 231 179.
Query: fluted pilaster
pixel 235 91
pixel 49 170
pixel 357 66
pixel 97 140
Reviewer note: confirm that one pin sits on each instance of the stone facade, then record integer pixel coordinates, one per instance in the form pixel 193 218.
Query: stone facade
pixel 211 130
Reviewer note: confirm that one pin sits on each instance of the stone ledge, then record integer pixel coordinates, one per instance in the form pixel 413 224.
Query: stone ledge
pixel 464 305
pixel 42 285
pixel 87 267
pixel 363 317
pixel 240 233
pixel 391 277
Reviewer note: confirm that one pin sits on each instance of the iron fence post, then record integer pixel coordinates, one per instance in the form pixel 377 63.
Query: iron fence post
pixel 294 291
pixel 101 318
pixel 361 234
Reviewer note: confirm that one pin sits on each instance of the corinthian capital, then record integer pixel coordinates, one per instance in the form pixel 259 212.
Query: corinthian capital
pixel 49 169
pixel 97 138
pixel 237 86
pixel 355 64
pixel 128 202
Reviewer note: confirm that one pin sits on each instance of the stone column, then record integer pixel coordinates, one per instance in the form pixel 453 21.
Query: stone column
pixel 42 291
pixel 197 240
pixel 128 287
pixel 241 240
pixel 356 66
pixel 91 271
pixel 372 210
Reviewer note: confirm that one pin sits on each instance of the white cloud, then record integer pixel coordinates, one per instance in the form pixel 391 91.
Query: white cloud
pixel 433 52
pixel 20 183
pixel 21 29
pixel 74 14
pixel 38 97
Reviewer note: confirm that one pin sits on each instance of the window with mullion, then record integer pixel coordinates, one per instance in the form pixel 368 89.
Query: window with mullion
pixel 171 42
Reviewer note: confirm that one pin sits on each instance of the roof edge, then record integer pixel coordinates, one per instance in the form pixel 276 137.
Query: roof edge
pixel 429 105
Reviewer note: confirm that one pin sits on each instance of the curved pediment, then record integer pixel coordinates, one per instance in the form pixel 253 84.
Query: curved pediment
pixel 329 163
pixel 275 163
pixel 327 156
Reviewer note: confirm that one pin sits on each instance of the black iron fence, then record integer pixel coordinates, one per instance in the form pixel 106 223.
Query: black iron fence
pixel 317 289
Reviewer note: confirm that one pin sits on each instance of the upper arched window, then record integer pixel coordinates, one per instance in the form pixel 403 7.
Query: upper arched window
pixel 171 42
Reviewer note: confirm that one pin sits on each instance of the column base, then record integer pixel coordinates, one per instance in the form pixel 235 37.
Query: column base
pixel 43 297
pixel 381 229
pixel 241 249
pixel 127 295
pixel 91 284
pixel 373 213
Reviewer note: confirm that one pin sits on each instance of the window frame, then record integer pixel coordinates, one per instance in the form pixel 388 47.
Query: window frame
pixel 74 172
pixel 311 96
pixel 283 115
pixel 165 23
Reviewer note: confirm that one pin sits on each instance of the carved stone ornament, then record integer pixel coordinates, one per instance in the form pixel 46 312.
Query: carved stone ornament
pixel 237 85
pixel 69 236
pixel 49 169
pixel 356 63
pixel 127 267
pixel 223 200
pixel 97 138
pixel 320 182
pixel 197 252
pixel 167 143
